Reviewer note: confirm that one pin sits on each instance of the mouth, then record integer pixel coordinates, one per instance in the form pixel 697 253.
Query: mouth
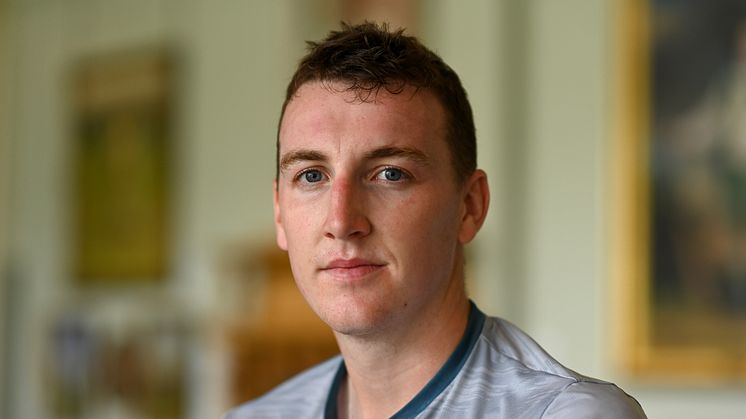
pixel 351 269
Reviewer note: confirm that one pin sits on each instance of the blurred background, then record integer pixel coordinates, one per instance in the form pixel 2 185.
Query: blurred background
pixel 138 272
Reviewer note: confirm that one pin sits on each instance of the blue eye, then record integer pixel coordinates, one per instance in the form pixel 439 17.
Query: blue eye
pixel 312 176
pixel 393 174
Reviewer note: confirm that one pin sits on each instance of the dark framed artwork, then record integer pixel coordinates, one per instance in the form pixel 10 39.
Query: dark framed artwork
pixel 122 147
pixel 679 158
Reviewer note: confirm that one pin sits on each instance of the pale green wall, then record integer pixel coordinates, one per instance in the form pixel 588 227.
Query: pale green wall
pixel 5 111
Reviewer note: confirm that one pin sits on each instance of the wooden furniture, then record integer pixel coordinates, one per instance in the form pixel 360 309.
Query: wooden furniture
pixel 286 338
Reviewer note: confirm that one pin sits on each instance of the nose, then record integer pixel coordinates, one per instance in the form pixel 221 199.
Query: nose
pixel 346 216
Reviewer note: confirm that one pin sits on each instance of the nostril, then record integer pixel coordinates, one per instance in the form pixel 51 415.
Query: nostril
pixel 349 223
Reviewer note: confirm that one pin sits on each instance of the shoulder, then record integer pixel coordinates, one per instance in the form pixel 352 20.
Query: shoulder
pixel 509 372
pixel 301 396
pixel 512 343
pixel 593 399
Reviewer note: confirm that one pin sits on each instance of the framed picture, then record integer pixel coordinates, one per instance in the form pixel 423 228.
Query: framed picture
pixel 122 144
pixel 679 155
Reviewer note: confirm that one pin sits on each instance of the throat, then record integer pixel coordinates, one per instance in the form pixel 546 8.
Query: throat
pixel 381 380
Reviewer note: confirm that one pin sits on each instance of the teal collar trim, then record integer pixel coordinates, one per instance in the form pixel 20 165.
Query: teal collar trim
pixel 436 385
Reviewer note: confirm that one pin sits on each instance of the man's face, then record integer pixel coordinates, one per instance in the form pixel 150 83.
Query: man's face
pixel 367 205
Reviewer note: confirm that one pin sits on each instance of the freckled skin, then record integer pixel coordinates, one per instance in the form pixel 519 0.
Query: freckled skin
pixel 342 206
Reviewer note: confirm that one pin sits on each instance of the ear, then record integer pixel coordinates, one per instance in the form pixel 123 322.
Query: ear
pixel 282 241
pixel 475 203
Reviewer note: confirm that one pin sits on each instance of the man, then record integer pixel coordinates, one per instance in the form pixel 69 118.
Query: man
pixel 376 194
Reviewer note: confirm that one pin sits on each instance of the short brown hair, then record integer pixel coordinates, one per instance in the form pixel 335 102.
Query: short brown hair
pixel 369 57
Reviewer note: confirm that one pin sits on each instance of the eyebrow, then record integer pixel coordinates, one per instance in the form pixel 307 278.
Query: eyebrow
pixel 300 155
pixel 412 154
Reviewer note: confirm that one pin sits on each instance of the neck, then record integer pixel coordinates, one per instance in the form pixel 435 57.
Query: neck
pixel 387 370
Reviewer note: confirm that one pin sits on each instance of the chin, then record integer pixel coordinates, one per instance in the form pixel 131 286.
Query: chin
pixel 354 321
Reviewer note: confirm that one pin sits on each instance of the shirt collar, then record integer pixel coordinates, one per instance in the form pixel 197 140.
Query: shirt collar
pixel 436 385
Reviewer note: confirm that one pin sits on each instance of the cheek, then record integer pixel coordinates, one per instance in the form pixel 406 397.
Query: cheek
pixel 301 234
pixel 300 222
pixel 424 227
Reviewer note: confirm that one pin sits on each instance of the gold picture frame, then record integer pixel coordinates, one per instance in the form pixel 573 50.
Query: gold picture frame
pixel 122 165
pixel 679 237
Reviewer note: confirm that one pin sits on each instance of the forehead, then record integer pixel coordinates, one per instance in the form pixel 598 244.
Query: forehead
pixel 327 113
